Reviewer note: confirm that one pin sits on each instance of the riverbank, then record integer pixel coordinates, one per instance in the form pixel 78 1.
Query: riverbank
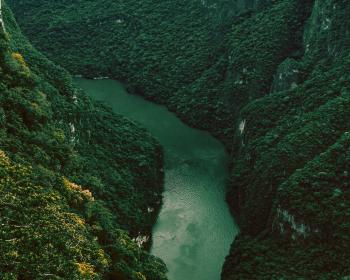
pixel 73 175
pixel 194 229
pixel 278 67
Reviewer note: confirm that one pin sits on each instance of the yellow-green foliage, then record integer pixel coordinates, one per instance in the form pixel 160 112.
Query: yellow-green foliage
pixel 19 58
pixel 59 135
pixel 283 160
pixel 40 234
pixel 140 276
pixel 52 227
pixel 77 196
pixel 86 270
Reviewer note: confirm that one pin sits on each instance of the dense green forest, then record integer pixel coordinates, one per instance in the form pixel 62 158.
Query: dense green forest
pixel 269 78
pixel 75 179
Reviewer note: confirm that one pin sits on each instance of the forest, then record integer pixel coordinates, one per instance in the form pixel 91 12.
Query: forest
pixel 72 175
pixel 270 79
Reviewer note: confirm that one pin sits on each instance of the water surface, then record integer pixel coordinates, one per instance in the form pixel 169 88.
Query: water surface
pixel 194 230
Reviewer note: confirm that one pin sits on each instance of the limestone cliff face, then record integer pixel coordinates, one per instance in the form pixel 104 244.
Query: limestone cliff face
pixel 326 32
pixel 1 18
pixel 293 162
pixel 287 76
pixel 326 26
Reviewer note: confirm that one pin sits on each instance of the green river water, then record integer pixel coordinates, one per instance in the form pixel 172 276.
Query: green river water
pixel 194 229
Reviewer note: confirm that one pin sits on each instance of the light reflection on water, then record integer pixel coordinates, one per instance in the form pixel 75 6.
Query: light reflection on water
pixel 194 230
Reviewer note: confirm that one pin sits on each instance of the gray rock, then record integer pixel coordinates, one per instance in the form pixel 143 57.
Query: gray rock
pixel 287 76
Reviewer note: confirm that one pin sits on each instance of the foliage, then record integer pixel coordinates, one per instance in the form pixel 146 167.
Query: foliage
pixel 72 177
pixel 290 175
pixel 63 241
pixel 216 66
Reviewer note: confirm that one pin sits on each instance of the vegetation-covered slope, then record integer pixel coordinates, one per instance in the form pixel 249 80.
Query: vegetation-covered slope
pixel 290 176
pixel 185 54
pixel 270 78
pixel 158 48
pixel 75 179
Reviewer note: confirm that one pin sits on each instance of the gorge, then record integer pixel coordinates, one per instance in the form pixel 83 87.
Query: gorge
pixel 194 229
pixel 269 79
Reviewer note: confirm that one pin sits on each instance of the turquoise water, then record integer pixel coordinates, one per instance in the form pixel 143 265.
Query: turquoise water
pixel 194 230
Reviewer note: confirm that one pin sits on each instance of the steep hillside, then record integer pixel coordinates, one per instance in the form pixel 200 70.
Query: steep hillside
pixel 75 179
pixel 270 78
pixel 180 54
pixel 158 48
pixel 290 181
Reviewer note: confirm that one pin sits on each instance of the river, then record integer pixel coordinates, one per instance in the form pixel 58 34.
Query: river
pixel 194 229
